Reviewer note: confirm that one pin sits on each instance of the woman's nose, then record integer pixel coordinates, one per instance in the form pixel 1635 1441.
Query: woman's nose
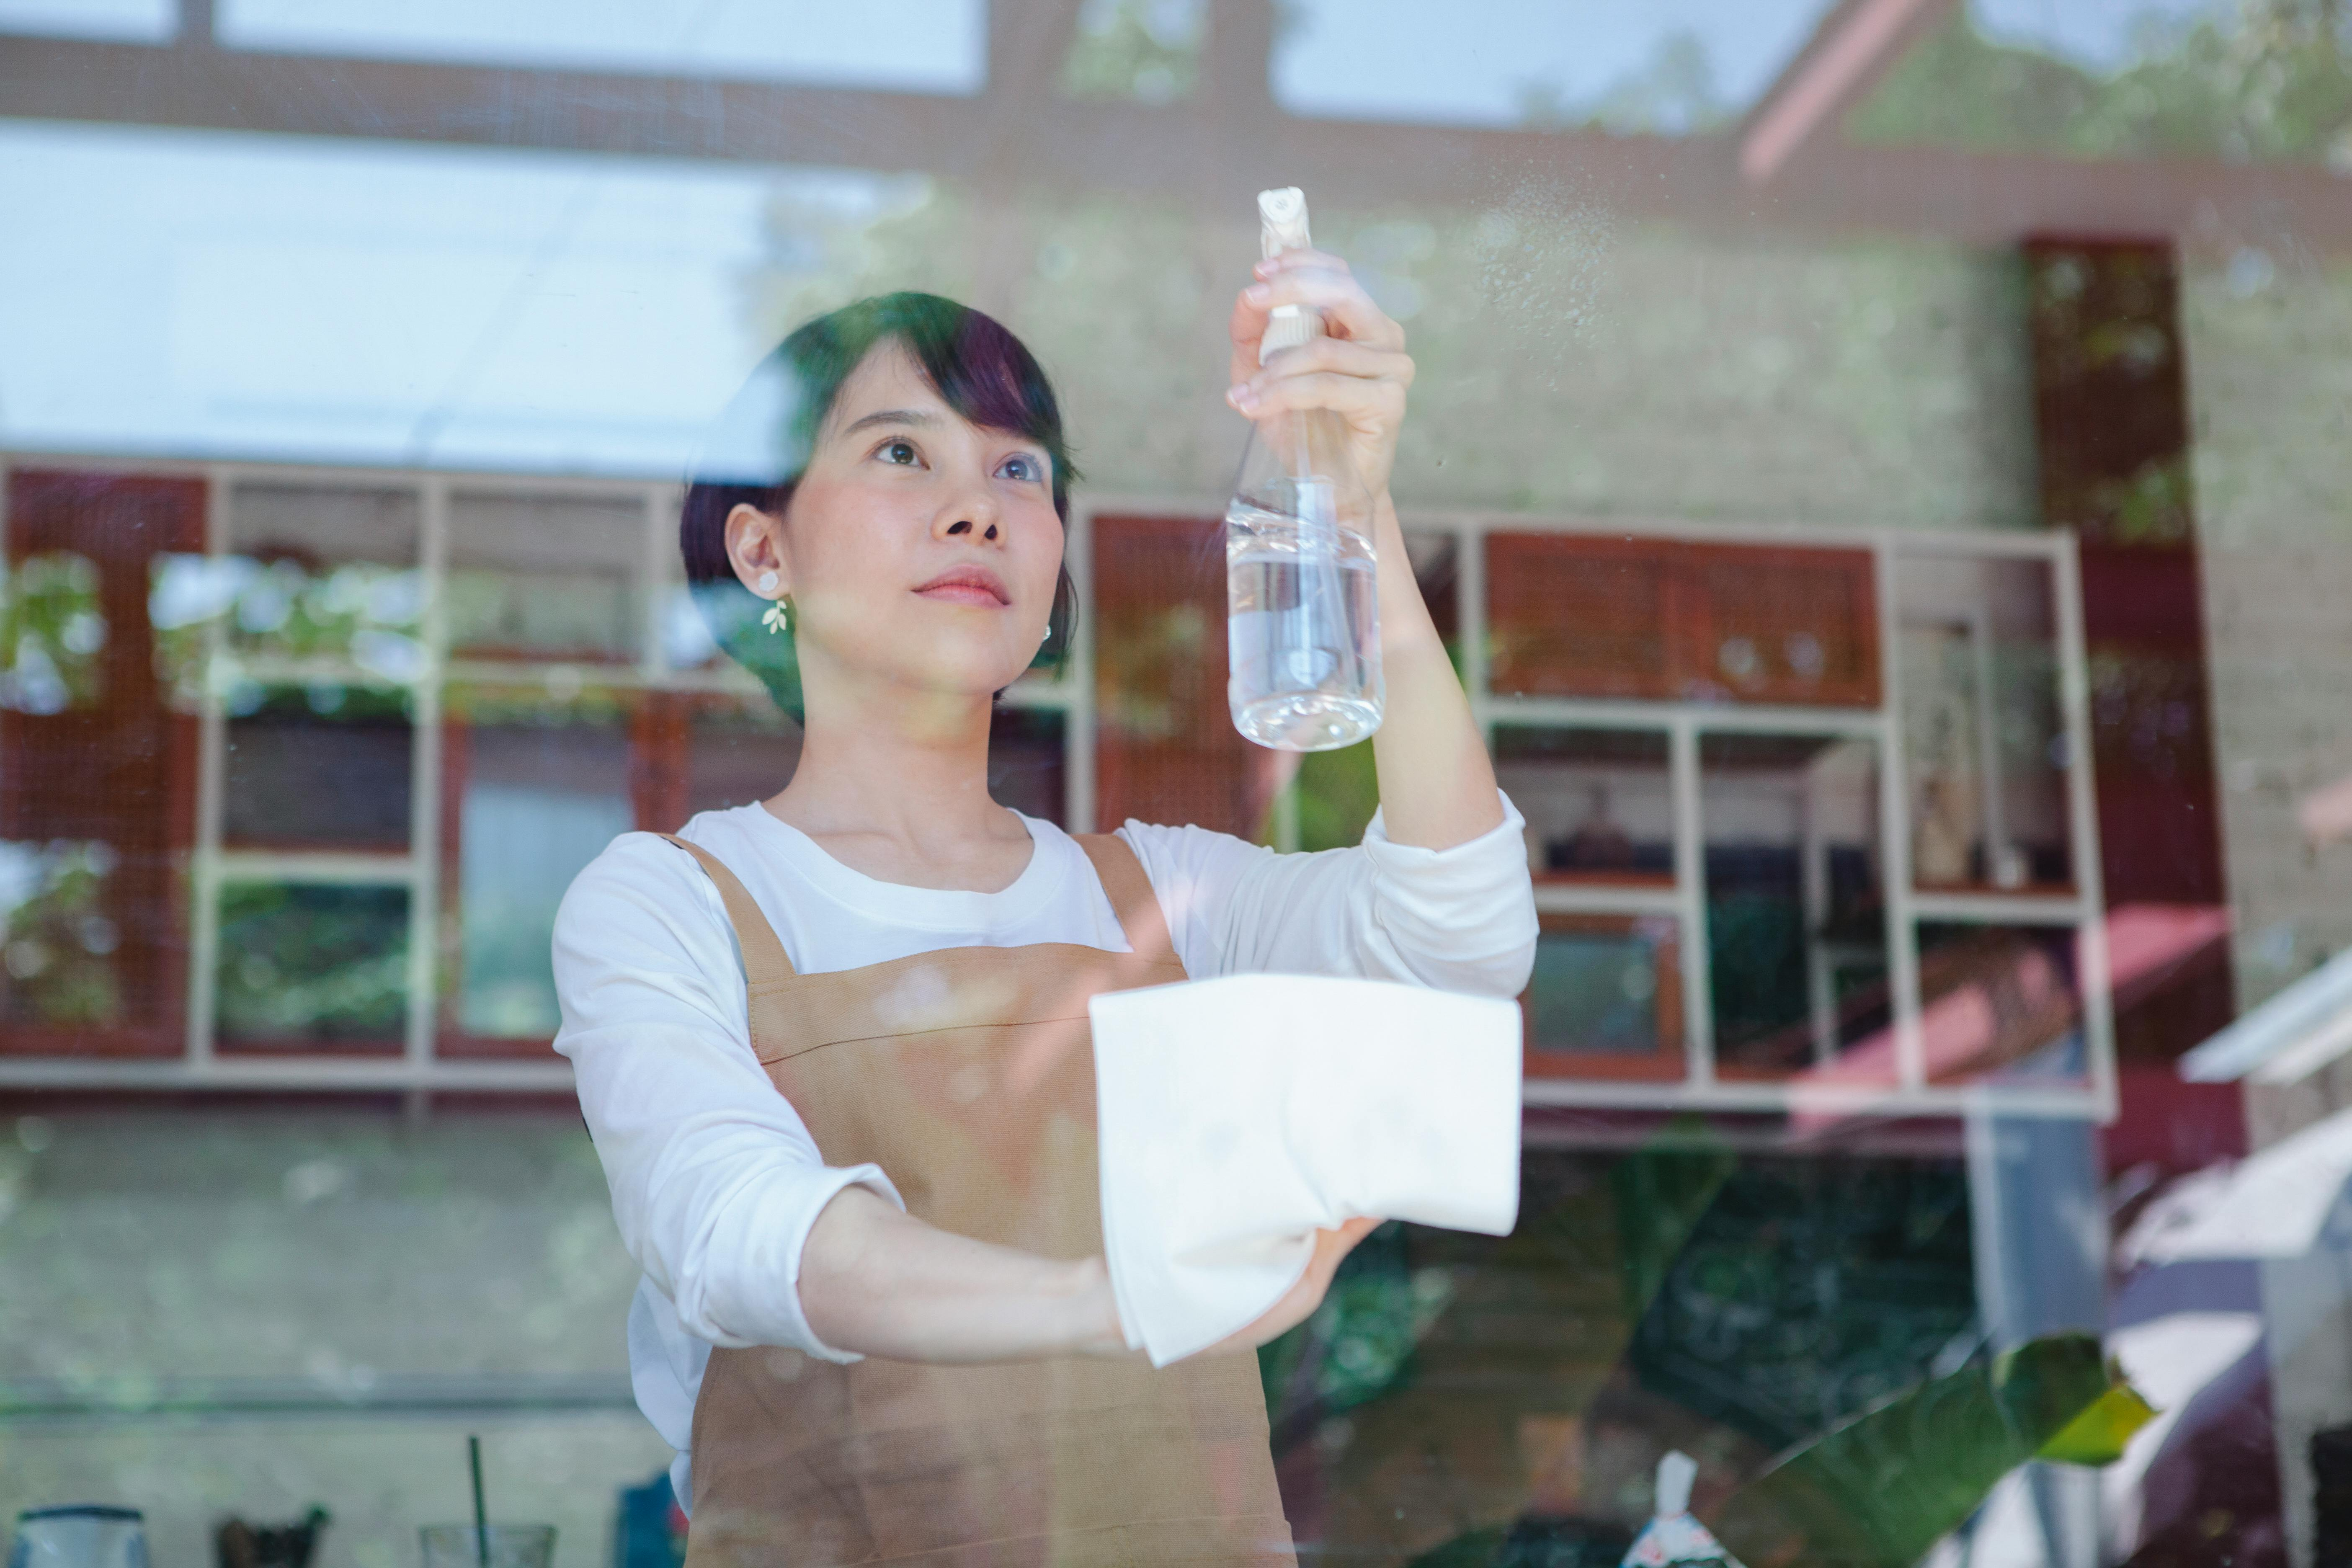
pixel 972 515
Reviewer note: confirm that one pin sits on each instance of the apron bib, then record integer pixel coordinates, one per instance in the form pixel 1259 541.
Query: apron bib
pixel 968 1076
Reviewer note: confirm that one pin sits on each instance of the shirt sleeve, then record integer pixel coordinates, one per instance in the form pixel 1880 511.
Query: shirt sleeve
pixel 1462 919
pixel 715 1179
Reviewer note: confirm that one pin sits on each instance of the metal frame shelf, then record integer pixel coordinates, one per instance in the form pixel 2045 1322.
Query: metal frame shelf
pixel 418 1071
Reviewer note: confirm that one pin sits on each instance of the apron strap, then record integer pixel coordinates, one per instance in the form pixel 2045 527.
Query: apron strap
pixel 764 960
pixel 1140 914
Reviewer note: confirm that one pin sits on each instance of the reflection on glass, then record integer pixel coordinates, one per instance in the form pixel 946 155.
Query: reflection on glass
pixel 548 577
pixel 723 751
pixel 1999 1003
pixel 1984 742
pixel 57 942
pixel 736 751
pixel 129 21
pixel 1668 68
pixel 2130 79
pixel 1147 50
pixel 1598 802
pixel 316 573
pixel 931 45
pixel 307 966
pixel 1512 1398
pixel 537 802
pixel 322 767
pixel 1026 762
pixel 1573 615
pixel 1796 936
pixel 686 640
pixel 52 631
pixel 1605 999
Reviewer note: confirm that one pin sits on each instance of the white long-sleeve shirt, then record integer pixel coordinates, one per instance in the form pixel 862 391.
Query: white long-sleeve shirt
pixel 716 1181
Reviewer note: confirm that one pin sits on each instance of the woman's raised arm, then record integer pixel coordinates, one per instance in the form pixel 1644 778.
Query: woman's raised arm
pixel 1437 786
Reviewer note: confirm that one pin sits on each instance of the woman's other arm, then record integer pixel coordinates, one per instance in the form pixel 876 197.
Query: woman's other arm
pixel 875 1281
pixel 719 1192
pixel 715 1180
pixel 1437 786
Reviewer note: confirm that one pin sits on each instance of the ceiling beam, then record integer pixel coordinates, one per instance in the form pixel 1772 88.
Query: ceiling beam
pixel 1208 154
pixel 1848 53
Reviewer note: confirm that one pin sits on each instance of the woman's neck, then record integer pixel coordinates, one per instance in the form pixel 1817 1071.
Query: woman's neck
pixel 895 785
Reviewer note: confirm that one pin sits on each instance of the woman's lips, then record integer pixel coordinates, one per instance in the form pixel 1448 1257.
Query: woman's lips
pixel 967 586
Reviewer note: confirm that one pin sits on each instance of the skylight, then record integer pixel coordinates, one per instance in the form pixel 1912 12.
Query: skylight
pixel 1668 65
pixel 925 45
pixel 124 21
pixel 302 299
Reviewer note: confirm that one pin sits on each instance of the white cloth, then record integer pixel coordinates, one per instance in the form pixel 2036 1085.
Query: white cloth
pixel 714 1176
pixel 1237 1116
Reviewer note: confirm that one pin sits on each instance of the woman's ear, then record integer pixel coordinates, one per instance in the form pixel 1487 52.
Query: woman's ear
pixel 755 548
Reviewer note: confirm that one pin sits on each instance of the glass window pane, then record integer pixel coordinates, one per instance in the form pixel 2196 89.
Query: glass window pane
pixel 311 967
pixel 537 801
pixel 98 766
pixel 1570 616
pixel 551 577
pixel 59 963
pixel 1796 937
pixel 130 21
pixel 1147 50
pixel 1984 738
pixel 2000 1004
pixel 1598 802
pixel 321 767
pixel 1025 763
pixel 737 752
pixel 930 46
pixel 1605 999
pixel 1575 615
pixel 321 573
pixel 2142 80
pixel 1670 68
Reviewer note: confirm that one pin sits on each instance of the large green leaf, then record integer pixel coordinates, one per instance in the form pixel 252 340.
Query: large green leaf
pixel 2098 1435
pixel 1662 1192
pixel 1881 1489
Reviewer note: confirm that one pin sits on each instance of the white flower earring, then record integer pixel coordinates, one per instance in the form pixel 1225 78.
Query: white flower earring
pixel 779 618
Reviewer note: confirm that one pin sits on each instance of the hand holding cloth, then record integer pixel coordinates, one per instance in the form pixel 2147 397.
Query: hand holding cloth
pixel 1238 1116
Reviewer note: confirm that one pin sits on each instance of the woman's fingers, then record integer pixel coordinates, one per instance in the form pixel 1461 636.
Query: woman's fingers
pixel 1347 309
pixel 1308 257
pixel 1348 313
pixel 1336 355
pixel 1299 1303
pixel 1375 398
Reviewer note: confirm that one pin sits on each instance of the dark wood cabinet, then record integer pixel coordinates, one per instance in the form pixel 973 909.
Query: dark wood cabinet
pixel 1673 620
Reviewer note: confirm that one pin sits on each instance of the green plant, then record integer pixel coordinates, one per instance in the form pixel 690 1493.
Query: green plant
pixel 1879 1490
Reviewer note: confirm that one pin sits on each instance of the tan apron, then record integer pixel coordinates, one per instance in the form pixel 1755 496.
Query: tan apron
pixel 968 1076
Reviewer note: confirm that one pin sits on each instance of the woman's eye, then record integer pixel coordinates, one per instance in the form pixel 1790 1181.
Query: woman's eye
pixel 1023 468
pixel 900 452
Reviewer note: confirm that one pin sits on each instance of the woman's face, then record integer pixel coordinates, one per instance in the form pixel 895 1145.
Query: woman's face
pixel 920 550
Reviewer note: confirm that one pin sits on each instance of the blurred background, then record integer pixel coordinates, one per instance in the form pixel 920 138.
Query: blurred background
pixel 1882 466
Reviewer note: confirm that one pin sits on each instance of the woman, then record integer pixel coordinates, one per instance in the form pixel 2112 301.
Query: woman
pixel 832 1047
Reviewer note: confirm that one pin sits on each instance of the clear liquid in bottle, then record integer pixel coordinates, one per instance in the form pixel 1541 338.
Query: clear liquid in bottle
pixel 1302 630
pixel 1302 601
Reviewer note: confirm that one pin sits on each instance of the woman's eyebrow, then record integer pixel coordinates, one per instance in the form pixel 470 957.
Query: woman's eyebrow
pixel 917 417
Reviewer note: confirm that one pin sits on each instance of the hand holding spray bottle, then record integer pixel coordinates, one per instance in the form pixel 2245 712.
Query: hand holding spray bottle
pixel 1302 626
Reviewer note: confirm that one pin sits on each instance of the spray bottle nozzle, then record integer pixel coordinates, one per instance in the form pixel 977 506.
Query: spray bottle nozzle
pixel 1281 226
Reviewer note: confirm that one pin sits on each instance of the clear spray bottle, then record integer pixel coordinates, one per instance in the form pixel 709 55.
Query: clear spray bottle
pixel 1302 624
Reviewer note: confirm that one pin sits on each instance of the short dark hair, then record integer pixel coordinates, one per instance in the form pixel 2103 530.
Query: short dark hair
pixel 758 447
